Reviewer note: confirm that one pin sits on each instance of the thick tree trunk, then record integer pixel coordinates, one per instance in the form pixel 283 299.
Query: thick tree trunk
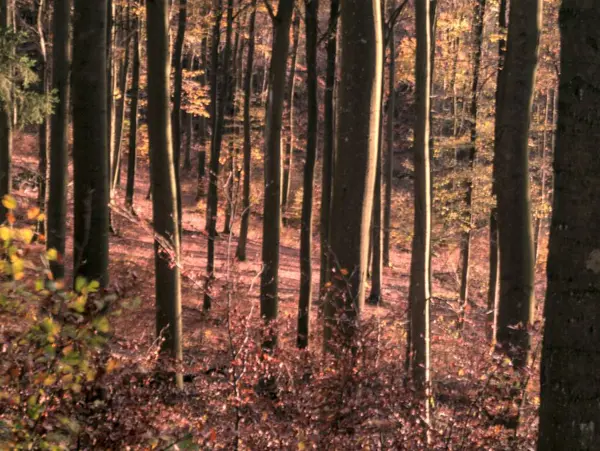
pixel 420 267
pixel 311 20
pixel 6 114
pixel 59 134
pixel 569 376
pixel 356 143
pixel 467 157
pixel 217 141
pixel 494 275
pixel 328 146
pixel 512 182
pixel 90 141
pixel 288 155
pixel 269 282
pixel 242 242
pixel 167 250
pixel 133 116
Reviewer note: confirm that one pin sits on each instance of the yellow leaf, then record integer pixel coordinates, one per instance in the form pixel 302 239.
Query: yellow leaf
pixel 52 254
pixel 33 213
pixel 49 380
pixel 5 233
pixel 26 235
pixel 111 365
pixel 9 202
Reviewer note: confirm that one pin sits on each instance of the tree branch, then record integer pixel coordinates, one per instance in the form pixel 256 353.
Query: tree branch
pixel 270 9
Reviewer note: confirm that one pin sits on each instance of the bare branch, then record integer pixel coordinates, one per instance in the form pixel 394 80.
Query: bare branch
pixel 270 9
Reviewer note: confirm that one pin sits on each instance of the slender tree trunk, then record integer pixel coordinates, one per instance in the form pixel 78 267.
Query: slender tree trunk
pixel 288 155
pixel 242 242
pixel 188 122
pixel 90 141
pixel 217 141
pixel 539 222
pixel 269 282
pixel 389 168
pixel 356 143
pixel 569 376
pixel 59 134
pixel 468 157
pixel 512 182
pixel 133 116
pixel 167 250
pixel 6 113
pixel 43 128
pixel 328 145
pixel 120 107
pixel 420 268
pixel 177 93
pixel 311 20
pixel 202 124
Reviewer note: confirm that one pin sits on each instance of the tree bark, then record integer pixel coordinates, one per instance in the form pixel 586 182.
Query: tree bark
pixel 570 381
pixel 59 136
pixel 389 167
pixel 43 128
pixel 288 155
pixel 6 114
pixel 90 141
pixel 468 157
pixel 133 116
pixel 356 143
pixel 217 141
pixel 167 250
pixel 311 20
pixel 243 239
pixel 512 182
pixel 420 268
pixel 269 282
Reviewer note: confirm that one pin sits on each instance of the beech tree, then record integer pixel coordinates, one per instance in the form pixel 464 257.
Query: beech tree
pixel 356 143
pixel 90 141
pixel 5 126
pixel 269 280
pixel 511 159
pixel 569 377
pixel 167 250
pixel 133 115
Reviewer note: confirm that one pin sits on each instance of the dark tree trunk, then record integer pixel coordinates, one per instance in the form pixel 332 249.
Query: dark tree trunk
pixel 569 376
pixel 6 114
pixel 356 144
pixel 202 124
pixel 217 141
pixel 43 128
pixel 59 136
pixel 288 155
pixel 242 242
pixel 90 141
pixel 512 182
pixel 389 167
pixel 133 116
pixel 467 157
pixel 167 251
pixel 311 20
pixel 269 286
pixel 328 146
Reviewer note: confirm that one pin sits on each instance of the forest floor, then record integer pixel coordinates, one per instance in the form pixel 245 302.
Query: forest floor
pixel 473 392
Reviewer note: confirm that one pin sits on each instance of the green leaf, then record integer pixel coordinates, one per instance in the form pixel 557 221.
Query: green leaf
pixel 80 283
pixel 102 325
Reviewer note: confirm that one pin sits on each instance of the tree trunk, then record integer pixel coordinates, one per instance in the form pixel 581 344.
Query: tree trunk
pixel 177 93
pixel 467 157
pixel 512 182
pixel 133 116
pixel 202 124
pixel 59 136
pixel 120 107
pixel 356 143
pixel 217 141
pixel 90 141
pixel 242 242
pixel 494 276
pixel 43 128
pixel 311 20
pixel 328 146
pixel 570 381
pixel 288 155
pixel 269 282
pixel 5 127
pixel 389 168
pixel 167 250
pixel 539 221
pixel 420 267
